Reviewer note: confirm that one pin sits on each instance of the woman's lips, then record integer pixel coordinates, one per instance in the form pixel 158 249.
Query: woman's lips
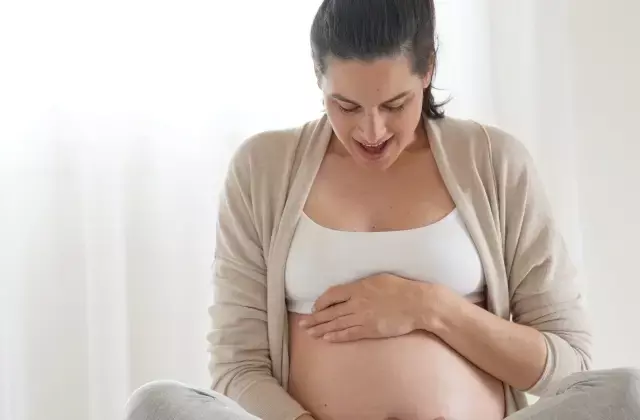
pixel 375 150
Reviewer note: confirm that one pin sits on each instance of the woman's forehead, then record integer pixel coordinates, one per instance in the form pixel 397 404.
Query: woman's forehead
pixel 375 81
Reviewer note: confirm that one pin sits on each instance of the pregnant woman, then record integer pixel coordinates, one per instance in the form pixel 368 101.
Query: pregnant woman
pixel 388 262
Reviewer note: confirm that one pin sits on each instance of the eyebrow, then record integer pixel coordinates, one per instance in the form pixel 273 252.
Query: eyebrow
pixel 395 98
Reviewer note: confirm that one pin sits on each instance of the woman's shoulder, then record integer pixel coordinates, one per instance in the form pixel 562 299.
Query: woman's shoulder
pixel 272 148
pixel 264 164
pixel 483 141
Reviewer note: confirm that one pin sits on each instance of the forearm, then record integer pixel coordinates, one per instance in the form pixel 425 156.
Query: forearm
pixel 513 353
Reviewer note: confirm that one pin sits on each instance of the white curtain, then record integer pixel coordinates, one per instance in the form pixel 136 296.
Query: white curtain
pixel 117 119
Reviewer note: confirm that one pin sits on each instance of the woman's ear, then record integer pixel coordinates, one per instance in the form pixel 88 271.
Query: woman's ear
pixel 426 82
pixel 318 78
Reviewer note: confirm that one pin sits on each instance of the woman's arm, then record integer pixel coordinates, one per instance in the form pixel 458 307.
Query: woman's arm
pixel 549 337
pixel 544 290
pixel 240 359
pixel 513 353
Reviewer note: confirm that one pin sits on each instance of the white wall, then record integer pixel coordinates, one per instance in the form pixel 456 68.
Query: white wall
pixel 605 50
pixel 565 78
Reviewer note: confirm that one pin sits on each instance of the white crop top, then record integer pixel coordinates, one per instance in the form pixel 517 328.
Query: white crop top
pixel 319 258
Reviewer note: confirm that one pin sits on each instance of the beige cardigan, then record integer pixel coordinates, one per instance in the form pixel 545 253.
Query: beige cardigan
pixel 494 186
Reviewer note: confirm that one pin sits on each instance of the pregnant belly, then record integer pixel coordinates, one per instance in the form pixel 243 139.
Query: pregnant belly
pixel 413 377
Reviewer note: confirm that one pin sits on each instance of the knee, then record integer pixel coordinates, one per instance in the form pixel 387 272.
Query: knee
pixel 148 401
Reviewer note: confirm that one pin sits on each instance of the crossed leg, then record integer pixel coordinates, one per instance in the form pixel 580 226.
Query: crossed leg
pixel 595 395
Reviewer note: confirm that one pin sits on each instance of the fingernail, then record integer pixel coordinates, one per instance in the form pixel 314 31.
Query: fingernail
pixel 327 337
pixel 303 323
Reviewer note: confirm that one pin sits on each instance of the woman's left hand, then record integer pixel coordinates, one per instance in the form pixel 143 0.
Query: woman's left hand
pixel 379 306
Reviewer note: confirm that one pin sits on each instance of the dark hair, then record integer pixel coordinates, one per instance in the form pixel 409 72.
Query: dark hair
pixel 371 29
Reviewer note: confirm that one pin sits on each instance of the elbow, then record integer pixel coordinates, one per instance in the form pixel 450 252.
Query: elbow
pixel 221 378
pixel 221 384
pixel 564 358
pixel 575 351
pixel 232 381
pixel 584 360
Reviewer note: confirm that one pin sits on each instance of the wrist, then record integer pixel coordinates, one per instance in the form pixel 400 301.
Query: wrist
pixel 436 303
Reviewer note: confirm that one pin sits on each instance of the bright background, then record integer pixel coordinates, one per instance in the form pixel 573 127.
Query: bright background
pixel 117 119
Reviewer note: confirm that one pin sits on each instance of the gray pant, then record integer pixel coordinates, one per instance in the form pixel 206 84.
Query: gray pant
pixel 596 395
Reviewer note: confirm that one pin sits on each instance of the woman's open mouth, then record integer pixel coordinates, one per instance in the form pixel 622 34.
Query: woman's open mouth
pixel 376 150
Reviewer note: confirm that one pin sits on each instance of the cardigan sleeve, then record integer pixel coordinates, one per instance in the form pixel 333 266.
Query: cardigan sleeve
pixel 544 290
pixel 240 363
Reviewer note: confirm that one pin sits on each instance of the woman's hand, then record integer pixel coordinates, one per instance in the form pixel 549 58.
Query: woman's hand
pixel 379 306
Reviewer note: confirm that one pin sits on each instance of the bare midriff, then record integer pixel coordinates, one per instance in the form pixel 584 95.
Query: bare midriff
pixel 412 377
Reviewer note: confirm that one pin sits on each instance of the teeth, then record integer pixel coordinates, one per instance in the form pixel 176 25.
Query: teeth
pixel 373 146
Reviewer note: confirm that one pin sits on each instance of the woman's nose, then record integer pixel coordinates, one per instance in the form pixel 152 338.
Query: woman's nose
pixel 373 128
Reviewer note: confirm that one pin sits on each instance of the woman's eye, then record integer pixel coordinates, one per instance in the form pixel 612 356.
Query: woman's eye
pixel 396 108
pixel 348 110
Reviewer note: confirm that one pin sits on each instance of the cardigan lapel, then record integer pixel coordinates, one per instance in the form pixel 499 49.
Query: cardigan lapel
pixel 497 290
pixel 302 180
pixel 452 175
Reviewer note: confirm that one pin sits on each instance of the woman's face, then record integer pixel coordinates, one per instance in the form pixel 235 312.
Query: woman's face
pixel 374 107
